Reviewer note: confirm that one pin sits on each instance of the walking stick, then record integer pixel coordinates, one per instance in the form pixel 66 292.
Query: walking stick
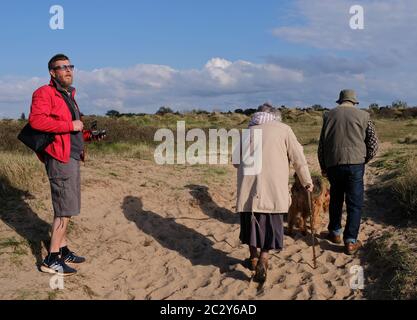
pixel 313 238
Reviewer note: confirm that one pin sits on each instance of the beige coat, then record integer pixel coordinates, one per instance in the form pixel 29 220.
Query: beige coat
pixel 268 192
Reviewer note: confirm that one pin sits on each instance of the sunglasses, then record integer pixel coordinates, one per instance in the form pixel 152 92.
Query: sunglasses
pixel 64 68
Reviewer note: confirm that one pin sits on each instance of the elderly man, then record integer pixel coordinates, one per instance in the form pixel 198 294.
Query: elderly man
pixel 347 142
pixel 263 197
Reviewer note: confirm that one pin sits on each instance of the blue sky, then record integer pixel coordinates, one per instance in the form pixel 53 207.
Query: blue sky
pixel 135 56
pixel 181 34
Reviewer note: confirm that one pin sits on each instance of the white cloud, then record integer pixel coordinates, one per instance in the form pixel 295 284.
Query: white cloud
pixel 220 84
pixel 144 88
pixel 16 89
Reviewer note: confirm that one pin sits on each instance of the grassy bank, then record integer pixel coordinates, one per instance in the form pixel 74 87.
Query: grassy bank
pixel 396 255
pixel 19 172
pixel 405 190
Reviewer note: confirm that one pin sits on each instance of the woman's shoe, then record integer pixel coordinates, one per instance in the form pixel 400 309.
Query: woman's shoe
pixel 251 263
pixel 261 270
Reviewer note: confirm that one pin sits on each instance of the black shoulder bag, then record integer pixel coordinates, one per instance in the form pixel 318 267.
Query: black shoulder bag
pixel 34 139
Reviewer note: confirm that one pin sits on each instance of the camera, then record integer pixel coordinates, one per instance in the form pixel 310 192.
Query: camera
pixel 94 134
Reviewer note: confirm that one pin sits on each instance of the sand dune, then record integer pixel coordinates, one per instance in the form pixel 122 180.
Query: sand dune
pixel 152 232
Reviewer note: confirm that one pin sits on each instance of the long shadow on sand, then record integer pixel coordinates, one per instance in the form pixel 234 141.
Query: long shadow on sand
pixel 187 242
pixel 18 215
pixel 209 207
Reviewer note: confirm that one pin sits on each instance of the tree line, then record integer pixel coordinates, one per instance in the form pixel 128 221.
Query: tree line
pixel 398 109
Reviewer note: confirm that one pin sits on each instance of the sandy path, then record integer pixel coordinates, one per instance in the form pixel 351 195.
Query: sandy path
pixel 152 232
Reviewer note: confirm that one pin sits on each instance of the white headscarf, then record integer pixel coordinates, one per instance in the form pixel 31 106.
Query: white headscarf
pixel 263 117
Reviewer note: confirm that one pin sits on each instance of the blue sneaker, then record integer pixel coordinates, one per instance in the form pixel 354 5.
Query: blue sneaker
pixel 72 258
pixel 58 267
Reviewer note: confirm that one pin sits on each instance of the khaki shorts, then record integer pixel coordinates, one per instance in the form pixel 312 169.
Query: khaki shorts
pixel 65 182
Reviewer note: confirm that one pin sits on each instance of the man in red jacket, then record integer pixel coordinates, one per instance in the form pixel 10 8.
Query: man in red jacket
pixel 55 110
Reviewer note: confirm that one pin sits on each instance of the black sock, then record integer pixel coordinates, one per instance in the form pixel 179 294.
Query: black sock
pixel 52 257
pixel 64 251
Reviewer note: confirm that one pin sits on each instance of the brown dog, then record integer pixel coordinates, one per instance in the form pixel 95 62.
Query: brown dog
pixel 299 211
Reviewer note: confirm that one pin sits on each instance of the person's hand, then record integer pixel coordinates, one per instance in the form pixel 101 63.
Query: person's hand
pixel 324 173
pixel 78 126
pixel 309 188
pixel 99 137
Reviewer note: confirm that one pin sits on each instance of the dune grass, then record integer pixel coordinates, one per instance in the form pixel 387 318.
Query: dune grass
pixel 405 189
pixel 19 173
pixel 395 254
pixel 392 130
pixel 409 139
pixel 142 151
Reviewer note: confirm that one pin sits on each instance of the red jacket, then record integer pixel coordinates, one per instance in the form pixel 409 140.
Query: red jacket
pixel 49 113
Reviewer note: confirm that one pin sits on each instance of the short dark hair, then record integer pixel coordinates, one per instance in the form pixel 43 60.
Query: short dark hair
pixel 55 58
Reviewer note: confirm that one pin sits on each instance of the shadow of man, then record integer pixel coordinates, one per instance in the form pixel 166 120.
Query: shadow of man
pixel 189 243
pixel 18 215
pixel 209 207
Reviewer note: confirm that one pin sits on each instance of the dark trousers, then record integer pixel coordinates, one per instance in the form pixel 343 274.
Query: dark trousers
pixel 346 181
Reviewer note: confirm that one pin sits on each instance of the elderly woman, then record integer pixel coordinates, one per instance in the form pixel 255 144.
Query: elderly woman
pixel 263 198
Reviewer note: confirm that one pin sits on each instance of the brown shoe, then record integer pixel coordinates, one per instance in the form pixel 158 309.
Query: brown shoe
pixel 333 238
pixel 352 248
pixel 261 270
pixel 251 263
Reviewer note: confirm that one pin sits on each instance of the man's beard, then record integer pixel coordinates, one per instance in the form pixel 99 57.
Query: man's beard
pixel 65 82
